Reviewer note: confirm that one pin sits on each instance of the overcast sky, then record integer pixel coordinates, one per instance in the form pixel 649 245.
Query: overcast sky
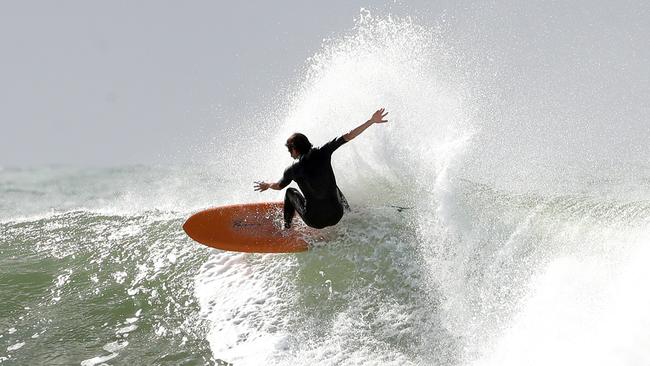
pixel 119 82
pixel 111 82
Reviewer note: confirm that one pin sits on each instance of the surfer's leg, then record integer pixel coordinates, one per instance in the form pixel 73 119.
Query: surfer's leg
pixel 293 201
pixel 343 200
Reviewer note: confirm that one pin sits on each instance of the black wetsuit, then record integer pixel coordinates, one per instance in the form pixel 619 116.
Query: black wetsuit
pixel 323 203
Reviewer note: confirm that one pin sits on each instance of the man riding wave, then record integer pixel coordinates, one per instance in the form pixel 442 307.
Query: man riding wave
pixel 323 202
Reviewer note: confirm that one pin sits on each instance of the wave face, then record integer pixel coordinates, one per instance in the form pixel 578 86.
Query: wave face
pixel 452 255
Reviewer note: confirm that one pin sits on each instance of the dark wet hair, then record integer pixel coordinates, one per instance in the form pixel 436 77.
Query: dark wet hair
pixel 299 142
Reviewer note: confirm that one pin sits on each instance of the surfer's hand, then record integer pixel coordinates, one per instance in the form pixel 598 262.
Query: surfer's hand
pixel 378 116
pixel 261 186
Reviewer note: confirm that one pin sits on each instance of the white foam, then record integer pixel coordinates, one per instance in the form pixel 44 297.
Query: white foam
pixel 125 330
pixel 98 360
pixel 115 347
pixel 119 276
pixel 240 303
pixel 582 311
pixel 15 346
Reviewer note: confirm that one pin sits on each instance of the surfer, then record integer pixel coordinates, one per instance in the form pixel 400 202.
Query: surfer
pixel 323 202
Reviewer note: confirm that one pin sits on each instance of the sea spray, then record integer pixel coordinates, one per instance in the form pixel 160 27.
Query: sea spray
pixel 383 62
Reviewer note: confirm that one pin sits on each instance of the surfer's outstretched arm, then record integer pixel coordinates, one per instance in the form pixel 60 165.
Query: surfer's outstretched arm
pixel 287 177
pixel 377 117
pixel 263 186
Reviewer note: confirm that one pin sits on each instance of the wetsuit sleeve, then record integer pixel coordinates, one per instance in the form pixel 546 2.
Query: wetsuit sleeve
pixel 287 177
pixel 331 146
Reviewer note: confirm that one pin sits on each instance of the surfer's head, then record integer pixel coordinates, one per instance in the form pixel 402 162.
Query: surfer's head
pixel 298 144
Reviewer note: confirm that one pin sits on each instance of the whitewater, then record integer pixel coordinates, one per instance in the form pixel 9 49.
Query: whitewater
pixel 467 243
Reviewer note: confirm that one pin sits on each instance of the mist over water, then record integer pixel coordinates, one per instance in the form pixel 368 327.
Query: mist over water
pixel 524 239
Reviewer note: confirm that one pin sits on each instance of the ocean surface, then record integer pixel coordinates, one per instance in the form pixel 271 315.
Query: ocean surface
pixel 472 240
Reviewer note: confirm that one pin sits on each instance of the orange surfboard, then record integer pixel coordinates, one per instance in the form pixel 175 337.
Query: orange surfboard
pixel 252 228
